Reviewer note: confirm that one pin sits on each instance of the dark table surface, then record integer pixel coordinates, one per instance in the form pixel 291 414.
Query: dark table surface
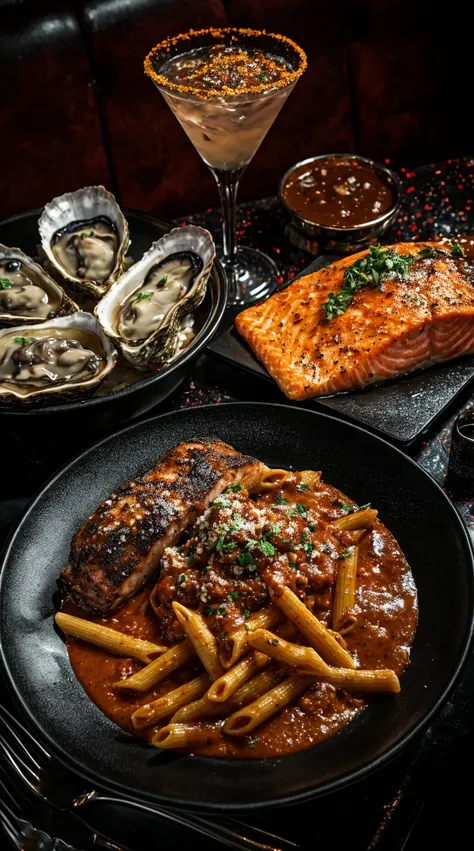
pixel 383 811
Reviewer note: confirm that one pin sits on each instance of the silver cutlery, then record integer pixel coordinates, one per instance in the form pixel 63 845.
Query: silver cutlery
pixel 38 777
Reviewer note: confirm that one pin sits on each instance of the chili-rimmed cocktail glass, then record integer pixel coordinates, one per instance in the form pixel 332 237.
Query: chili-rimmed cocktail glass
pixel 226 87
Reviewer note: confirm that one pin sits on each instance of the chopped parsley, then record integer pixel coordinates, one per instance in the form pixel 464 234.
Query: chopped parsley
pixel 246 613
pixel 302 509
pixel 245 560
pixel 233 596
pixel 233 489
pixel 351 509
pixel 181 579
pixel 143 296
pixel 221 503
pixel 5 284
pixel 222 547
pixel 280 500
pixel 162 282
pixel 302 487
pixel 267 548
pixel 312 526
pixel 363 507
pixel 457 250
pixel 222 611
pixel 347 553
pixel 211 611
pixel 306 543
pixel 24 341
pixel 191 552
pixel 237 522
pixel 346 507
pixel 250 545
pixel 263 78
pixel 369 271
pixel 85 235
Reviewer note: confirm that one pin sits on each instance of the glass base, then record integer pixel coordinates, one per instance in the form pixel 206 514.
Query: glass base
pixel 252 276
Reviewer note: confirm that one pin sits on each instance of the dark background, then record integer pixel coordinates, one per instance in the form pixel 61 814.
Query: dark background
pixel 386 78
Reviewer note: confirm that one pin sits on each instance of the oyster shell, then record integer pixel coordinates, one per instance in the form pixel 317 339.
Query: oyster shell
pixel 57 360
pixel 27 294
pixel 143 311
pixel 85 238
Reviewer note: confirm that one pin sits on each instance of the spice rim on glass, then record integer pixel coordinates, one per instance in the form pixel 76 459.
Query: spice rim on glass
pixel 226 87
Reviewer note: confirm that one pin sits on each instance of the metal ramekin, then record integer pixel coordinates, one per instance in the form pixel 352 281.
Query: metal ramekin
pixel 317 238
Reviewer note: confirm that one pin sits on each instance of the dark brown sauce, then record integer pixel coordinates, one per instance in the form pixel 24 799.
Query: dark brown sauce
pixel 337 192
pixel 386 603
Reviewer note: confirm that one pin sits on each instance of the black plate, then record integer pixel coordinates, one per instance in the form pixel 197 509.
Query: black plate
pixel 413 507
pixel 123 405
pixel 402 409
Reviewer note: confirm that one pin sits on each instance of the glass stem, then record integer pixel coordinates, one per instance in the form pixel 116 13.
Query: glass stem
pixel 228 184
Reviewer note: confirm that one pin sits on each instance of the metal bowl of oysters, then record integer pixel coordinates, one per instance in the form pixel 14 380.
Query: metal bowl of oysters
pixel 102 311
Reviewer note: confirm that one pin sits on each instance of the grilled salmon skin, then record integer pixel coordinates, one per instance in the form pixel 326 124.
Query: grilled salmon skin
pixel 119 547
pixel 405 325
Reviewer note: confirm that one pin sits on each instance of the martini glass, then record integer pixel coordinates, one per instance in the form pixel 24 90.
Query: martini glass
pixel 227 127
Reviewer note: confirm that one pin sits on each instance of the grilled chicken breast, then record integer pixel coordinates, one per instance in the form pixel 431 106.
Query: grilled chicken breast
pixel 120 545
pixel 407 324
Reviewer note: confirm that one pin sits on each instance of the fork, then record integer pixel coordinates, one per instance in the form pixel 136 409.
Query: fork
pixel 38 777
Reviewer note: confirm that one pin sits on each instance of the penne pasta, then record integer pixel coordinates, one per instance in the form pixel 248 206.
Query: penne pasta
pixel 344 595
pixel 381 680
pixel 237 641
pixel 251 716
pixel 314 631
pixel 153 712
pixel 201 638
pixel 234 677
pixel 358 520
pixel 183 736
pixel 309 477
pixel 288 654
pixel 205 708
pixel 109 639
pixel 172 658
pixel 272 479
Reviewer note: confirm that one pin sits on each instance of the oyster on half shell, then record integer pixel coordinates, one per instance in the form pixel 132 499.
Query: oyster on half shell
pixel 27 294
pixel 85 237
pixel 58 360
pixel 143 311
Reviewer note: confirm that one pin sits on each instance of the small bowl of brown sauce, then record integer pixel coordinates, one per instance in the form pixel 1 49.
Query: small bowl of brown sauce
pixel 338 202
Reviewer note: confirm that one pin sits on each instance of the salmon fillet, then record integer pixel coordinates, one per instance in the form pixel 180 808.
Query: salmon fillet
pixel 407 324
pixel 120 546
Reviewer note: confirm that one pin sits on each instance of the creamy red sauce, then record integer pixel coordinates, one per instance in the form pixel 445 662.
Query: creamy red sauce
pixel 293 521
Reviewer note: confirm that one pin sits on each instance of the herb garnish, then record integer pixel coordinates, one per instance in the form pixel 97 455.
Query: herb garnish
pixel 312 526
pixel 306 543
pixel 143 296
pixel 233 596
pixel 220 503
pixel 302 487
pixel 301 509
pixel 162 282
pixel 24 341
pixel 221 547
pixel 233 488
pixel 263 78
pixel 222 611
pixel 246 613
pixel 5 284
pixel 181 579
pixel 191 552
pixel 369 271
pixel 351 509
pixel 85 235
pixel 245 560
pixel 457 250
pixel 280 500
pixel 211 611
pixel 347 553
pixel 253 742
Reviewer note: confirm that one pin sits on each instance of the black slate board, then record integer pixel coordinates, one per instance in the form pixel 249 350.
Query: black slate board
pixel 402 409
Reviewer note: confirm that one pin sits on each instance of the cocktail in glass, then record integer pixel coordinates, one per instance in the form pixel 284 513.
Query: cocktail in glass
pixel 226 87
